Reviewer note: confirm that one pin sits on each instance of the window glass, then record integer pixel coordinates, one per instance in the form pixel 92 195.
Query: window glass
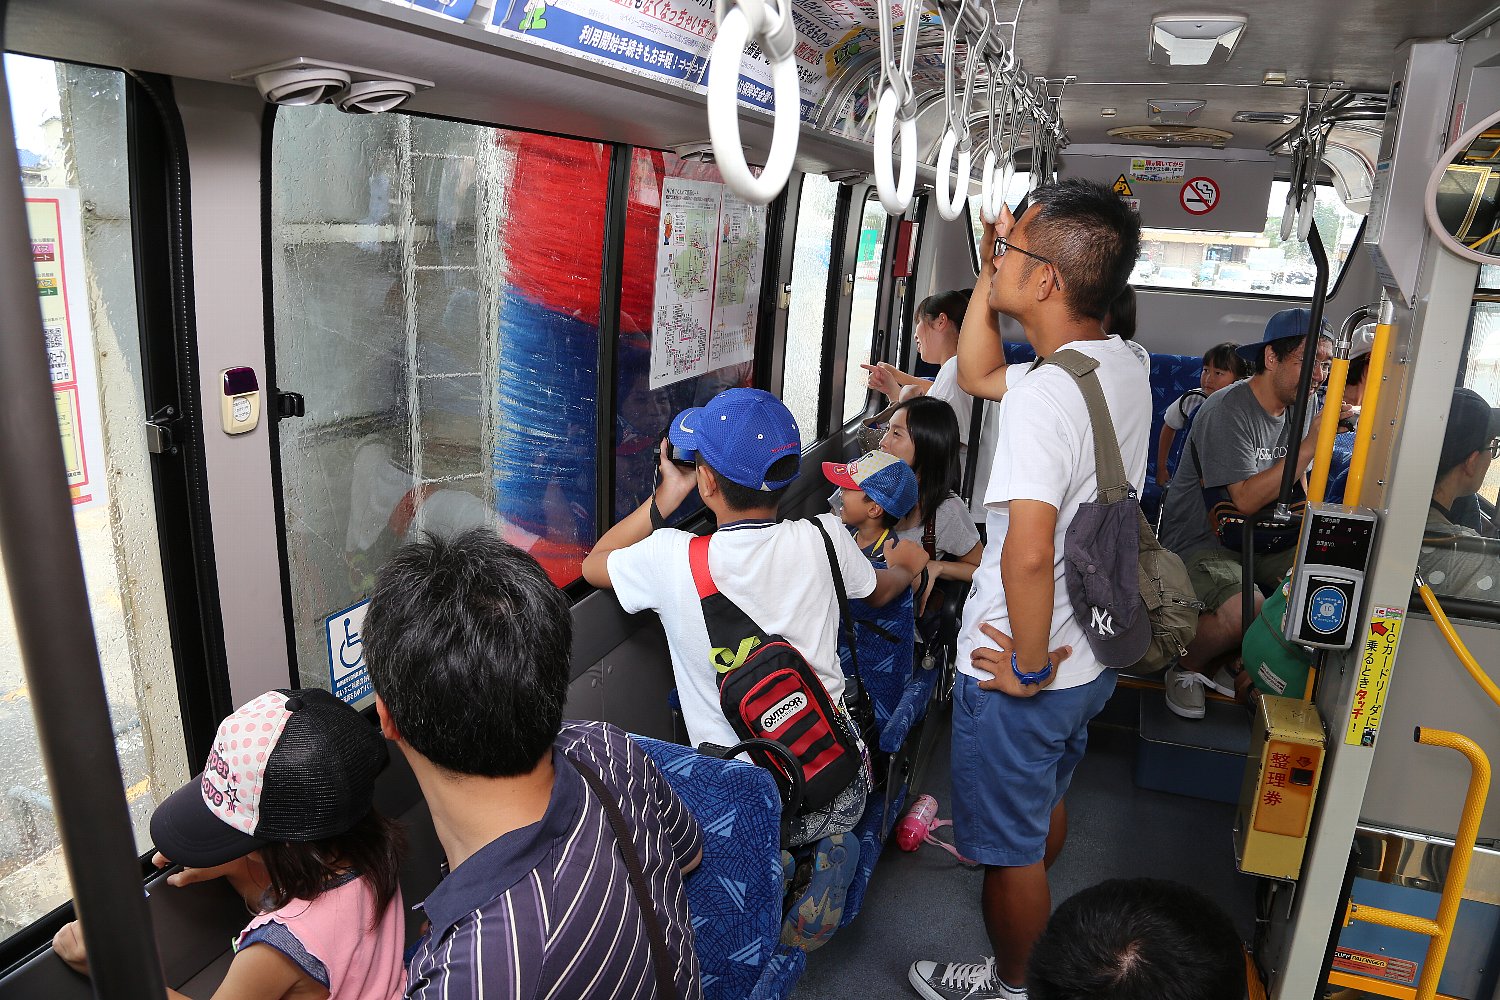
pixel 802 384
pixel 1248 263
pixel 443 328
pixel 71 143
pixel 642 414
pixel 863 321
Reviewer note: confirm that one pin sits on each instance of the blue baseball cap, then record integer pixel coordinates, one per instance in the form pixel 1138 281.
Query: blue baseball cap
pixel 741 433
pixel 883 478
pixel 1285 324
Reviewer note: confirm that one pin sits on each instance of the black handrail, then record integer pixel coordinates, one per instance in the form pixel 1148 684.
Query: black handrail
pixel 56 633
pixel 1304 383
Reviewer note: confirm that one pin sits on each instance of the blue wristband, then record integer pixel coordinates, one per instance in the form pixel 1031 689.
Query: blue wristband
pixel 1028 679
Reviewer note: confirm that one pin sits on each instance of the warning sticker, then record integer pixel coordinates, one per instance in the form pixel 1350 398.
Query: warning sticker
pixel 1134 204
pixel 1374 680
pixel 1122 187
pixel 1396 970
pixel 1199 196
pixel 1154 171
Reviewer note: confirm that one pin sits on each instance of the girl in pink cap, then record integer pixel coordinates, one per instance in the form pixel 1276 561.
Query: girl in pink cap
pixel 282 811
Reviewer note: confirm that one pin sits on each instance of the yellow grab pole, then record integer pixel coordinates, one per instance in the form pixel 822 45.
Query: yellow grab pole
pixel 1328 429
pixel 1365 431
pixel 1463 852
pixel 1459 649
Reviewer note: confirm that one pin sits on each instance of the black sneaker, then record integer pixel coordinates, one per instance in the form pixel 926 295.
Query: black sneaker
pixel 961 981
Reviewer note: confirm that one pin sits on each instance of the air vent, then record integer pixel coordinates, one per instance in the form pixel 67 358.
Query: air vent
pixel 1162 112
pixel 1159 135
pixel 1267 117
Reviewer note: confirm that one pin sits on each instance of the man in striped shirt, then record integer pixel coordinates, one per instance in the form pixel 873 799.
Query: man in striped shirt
pixel 468 647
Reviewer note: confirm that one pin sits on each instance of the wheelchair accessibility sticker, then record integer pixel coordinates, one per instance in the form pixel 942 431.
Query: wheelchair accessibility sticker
pixel 346 653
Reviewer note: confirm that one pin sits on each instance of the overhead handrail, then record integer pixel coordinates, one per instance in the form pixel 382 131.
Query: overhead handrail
pixel 55 632
pixel 952 196
pixel 897 104
pixel 1283 509
pixel 991 195
pixel 769 23
pixel 1333 394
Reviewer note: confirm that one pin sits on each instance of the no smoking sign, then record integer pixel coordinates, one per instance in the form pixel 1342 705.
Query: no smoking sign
pixel 1199 196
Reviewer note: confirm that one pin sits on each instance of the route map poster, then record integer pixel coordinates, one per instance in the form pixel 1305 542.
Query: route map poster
pixel 52 215
pixel 709 254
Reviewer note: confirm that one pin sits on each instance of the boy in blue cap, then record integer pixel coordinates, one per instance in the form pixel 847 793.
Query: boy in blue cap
pixel 747 451
pixel 1239 443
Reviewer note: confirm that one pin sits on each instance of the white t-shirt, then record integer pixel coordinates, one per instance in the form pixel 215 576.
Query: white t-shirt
pixel 945 387
pixel 777 574
pixel 1182 409
pixel 1045 451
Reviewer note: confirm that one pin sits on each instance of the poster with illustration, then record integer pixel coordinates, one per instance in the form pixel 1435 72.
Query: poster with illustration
pixel 686 256
pixel 742 229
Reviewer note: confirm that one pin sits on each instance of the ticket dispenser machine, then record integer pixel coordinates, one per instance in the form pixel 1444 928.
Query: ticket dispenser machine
pixel 1281 783
pixel 1333 553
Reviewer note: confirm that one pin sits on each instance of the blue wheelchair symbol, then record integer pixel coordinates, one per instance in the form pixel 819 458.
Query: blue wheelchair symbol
pixel 352 644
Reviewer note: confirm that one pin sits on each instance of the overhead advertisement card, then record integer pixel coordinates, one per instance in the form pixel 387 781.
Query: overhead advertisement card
pixel 57 254
pixel 709 257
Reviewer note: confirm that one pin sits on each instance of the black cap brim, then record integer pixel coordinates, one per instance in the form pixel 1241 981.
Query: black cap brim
pixel 188 833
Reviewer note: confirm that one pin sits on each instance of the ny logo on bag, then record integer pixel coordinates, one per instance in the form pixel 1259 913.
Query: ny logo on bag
pixel 1102 623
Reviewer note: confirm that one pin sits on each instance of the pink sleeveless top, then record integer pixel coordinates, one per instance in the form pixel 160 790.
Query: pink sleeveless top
pixel 331 937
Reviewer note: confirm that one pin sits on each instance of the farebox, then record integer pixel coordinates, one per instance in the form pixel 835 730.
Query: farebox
pixel 1333 552
pixel 1282 773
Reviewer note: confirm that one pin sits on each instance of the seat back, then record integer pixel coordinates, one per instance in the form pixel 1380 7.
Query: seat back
pixel 735 895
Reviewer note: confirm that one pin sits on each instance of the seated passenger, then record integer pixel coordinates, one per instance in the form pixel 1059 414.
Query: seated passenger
pixel 1121 323
pixel 1236 449
pixel 747 451
pixel 286 817
pixel 468 646
pixel 877 490
pixel 1359 367
pixel 925 437
pixel 1222 366
pixel 1452 567
pixel 1138 939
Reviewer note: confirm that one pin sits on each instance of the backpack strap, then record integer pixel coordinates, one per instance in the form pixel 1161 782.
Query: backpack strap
pixel 846 618
pixel 698 560
pixel 929 535
pixel 1109 466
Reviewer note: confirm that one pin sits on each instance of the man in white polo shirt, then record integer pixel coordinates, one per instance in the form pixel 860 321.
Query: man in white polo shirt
pixel 1029 683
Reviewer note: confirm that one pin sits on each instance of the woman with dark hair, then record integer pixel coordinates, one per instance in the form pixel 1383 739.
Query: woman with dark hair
pixel 282 811
pixel 939 318
pixel 923 433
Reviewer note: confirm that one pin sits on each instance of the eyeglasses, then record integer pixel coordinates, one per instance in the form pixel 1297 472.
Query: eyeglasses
pixel 1002 244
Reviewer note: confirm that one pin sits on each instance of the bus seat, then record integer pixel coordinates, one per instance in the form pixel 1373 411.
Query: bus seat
pixel 735 895
pixel 886 639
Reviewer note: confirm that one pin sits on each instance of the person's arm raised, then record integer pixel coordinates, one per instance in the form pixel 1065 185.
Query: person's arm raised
pixel 674 487
pixel 981 355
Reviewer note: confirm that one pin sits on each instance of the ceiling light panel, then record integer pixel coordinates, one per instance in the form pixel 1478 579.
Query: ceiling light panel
pixel 1194 39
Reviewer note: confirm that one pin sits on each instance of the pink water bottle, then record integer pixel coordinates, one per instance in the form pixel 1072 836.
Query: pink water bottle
pixel 913 828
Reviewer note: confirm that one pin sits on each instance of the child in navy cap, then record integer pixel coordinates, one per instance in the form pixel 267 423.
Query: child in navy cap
pixel 746 450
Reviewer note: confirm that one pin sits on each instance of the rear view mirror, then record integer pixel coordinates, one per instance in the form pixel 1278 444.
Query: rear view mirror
pixel 1463 194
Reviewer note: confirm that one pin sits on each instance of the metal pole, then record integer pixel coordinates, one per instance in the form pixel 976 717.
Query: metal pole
pixel 1475 26
pixel 56 633
pixel 1304 384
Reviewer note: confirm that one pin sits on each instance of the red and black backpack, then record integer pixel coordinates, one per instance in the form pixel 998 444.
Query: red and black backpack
pixel 769 691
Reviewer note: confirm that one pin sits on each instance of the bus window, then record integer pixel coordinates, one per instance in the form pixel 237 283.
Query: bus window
pixel 802 385
pixel 868 264
pixel 1248 263
pixel 71 143
pixel 442 323
pixel 641 413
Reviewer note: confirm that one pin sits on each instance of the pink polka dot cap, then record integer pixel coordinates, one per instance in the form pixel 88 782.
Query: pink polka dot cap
pixel 287 766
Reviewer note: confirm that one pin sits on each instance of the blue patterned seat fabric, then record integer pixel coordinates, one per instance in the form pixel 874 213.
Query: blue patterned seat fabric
pixel 887 638
pixel 735 895
pixel 1171 376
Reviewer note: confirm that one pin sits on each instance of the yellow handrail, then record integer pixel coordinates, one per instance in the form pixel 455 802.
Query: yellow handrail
pixel 1328 429
pixel 1365 431
pixel 1459 649
pixel 1440 929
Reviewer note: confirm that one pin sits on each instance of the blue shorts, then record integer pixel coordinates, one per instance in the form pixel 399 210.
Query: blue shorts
pixel 1012 761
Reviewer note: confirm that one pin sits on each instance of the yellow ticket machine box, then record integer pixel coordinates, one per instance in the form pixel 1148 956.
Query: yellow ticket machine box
pixel 1281 782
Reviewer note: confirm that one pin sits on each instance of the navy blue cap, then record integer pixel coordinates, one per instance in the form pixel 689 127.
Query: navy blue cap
pixel 1285 324
pixel 741 433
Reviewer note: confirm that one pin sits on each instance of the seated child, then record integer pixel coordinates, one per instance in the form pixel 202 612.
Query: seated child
pixel 747 451
pixel 285 815
pixel 877 490
pixel 1222 366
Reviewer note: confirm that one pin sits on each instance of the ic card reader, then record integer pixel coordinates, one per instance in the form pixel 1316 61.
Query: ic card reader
pixel 1333 553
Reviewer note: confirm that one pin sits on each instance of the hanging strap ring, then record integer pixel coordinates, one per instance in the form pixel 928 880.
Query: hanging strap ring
pixel 991 195
pixel 745 20
pixel 895 196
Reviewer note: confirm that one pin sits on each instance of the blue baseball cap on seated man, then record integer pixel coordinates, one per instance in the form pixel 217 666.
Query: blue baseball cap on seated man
pixel 1284 325
pixel 741 433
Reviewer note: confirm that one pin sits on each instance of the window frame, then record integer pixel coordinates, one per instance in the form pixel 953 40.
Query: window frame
pixel 884 303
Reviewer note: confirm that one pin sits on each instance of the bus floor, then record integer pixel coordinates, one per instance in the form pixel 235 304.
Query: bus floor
pixel 925 905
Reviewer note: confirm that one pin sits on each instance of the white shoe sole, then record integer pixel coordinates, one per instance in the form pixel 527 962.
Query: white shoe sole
pixel 920 985
pixel 1185 713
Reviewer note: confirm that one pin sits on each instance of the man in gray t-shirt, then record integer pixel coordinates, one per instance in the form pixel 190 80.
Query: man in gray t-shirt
pixel 1238 443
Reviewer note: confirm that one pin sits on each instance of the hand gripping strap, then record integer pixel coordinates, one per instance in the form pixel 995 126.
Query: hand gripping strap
pixel 1109 466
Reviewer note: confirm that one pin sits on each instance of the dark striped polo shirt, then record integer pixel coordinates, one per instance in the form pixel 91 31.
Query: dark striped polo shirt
pixel 547 911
